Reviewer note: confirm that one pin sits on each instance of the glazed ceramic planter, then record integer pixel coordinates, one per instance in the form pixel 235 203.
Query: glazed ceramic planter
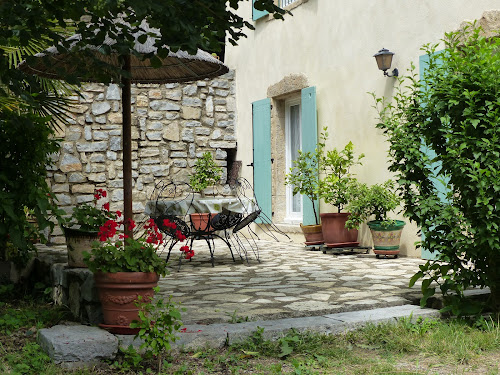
pixel 334 232
pixel 118 293
pixel 386 238
pixel 78 242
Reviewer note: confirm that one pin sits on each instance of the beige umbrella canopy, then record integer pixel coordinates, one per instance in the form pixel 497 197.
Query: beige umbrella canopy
pixel 176 67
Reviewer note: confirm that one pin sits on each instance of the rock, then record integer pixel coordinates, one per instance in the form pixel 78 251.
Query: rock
pixel 77 344
pixel 100 108
pixel 113 92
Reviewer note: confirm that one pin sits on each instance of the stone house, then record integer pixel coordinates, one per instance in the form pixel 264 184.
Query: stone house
pixel 314 69
pixel 173 124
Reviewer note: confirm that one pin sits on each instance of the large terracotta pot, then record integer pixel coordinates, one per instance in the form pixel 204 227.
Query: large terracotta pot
pixel 313 234
pixel 118 293
pixel 386 238
pixel 78 241
pixel 334 232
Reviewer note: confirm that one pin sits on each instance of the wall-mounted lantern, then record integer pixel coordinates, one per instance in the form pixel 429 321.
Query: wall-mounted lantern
pixel 384 61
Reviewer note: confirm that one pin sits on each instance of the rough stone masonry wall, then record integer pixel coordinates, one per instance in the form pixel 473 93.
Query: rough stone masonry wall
pixel 172 125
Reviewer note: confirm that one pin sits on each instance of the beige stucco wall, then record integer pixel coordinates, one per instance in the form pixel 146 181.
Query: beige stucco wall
pixel 332 42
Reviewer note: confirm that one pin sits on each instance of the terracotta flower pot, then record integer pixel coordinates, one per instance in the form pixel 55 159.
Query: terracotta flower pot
pixel 334 232
pixel 201 222
pixel 118 293
pixel 313 234
pixel 77 242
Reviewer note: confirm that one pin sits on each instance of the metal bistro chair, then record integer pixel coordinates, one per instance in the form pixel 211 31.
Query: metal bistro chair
pixel 171 201
pixel 244 190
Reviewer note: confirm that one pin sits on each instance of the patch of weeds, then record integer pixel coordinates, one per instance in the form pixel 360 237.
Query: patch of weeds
pixel 235 318
pixel 128 359
pixel 29 360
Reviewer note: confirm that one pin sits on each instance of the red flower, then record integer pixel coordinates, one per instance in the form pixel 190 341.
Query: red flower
pixel 106 206
pixel 130 224
pixel 118 213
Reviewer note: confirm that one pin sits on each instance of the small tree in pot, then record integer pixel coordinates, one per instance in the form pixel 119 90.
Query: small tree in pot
pixel 206 173
pixel 338 187
pixel 377 200
pixel 304 179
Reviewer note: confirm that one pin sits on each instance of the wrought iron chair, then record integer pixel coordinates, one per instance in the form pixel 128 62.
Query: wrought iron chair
pixel 244 190
pixel 171 201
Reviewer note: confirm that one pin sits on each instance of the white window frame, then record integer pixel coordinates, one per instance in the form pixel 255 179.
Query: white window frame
pixel 285 3
pixel 291 216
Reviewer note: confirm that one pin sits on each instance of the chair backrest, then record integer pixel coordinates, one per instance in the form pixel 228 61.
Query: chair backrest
pixel 171 201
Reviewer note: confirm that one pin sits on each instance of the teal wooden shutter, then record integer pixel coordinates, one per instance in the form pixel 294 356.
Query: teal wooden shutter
pixel 309 124
pixel 256 14
pixel 441 185
pixel 261 119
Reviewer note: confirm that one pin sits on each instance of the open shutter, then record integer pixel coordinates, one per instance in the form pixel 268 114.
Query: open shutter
pixel 256 14
pixel 309 124
pixel 441 185
pixel 261 118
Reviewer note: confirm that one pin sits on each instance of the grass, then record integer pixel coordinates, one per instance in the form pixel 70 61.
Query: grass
pixel 421 347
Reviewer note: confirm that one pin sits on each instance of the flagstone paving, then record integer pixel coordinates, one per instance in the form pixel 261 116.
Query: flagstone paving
pixel 290 281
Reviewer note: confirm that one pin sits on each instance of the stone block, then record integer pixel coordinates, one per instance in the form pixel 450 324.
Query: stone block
pixel 154 136
pixel 91 147
pixel 115 143
pixel 63 199
pixel 115 118
pixel 77 177
pixel 190 90
pixel 191 102
pixel 113 92
pixel 188 135
pixel 100 108
pixel 70 163
pixel 163 105
pixel 60 177
pixel 60 188
pixel 84 199
pixel 191 113
pixel 77 343
pixel 173 95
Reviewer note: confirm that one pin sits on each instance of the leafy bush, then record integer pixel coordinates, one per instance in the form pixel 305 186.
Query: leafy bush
pixel 27 145
pixel 206 173
pixel 444 133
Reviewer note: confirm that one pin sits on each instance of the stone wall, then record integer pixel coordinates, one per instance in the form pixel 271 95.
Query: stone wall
pixel 172 125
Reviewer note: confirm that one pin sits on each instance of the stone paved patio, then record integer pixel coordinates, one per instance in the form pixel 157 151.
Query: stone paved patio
pixel 289 281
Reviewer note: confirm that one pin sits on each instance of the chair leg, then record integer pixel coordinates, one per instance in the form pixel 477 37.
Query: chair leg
pixel 170 250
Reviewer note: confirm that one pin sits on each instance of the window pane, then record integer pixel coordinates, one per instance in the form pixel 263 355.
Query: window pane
pixel 284 3
pixel 295 147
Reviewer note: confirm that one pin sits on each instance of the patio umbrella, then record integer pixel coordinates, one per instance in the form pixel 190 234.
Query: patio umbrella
pixel 176 67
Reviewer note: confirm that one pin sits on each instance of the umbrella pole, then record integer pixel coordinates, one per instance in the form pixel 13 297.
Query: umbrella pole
pixel 127 145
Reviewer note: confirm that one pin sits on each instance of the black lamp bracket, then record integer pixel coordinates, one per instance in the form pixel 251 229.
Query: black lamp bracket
pixel 395 73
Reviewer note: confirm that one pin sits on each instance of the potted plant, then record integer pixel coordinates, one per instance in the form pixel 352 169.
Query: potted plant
pixel 304 179
pixel 127 268
pixel 338 188
pixel 378 200
pixel 206 173
pixel 82 227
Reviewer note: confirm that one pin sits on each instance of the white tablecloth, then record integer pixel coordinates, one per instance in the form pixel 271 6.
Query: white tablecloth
pixel 193 205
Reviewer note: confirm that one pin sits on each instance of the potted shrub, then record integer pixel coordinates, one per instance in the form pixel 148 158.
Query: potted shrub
pixel 206 173
pixel 82 227
pixel 338 188
pixel 378 200
pixel 304 179
pixel 126 269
